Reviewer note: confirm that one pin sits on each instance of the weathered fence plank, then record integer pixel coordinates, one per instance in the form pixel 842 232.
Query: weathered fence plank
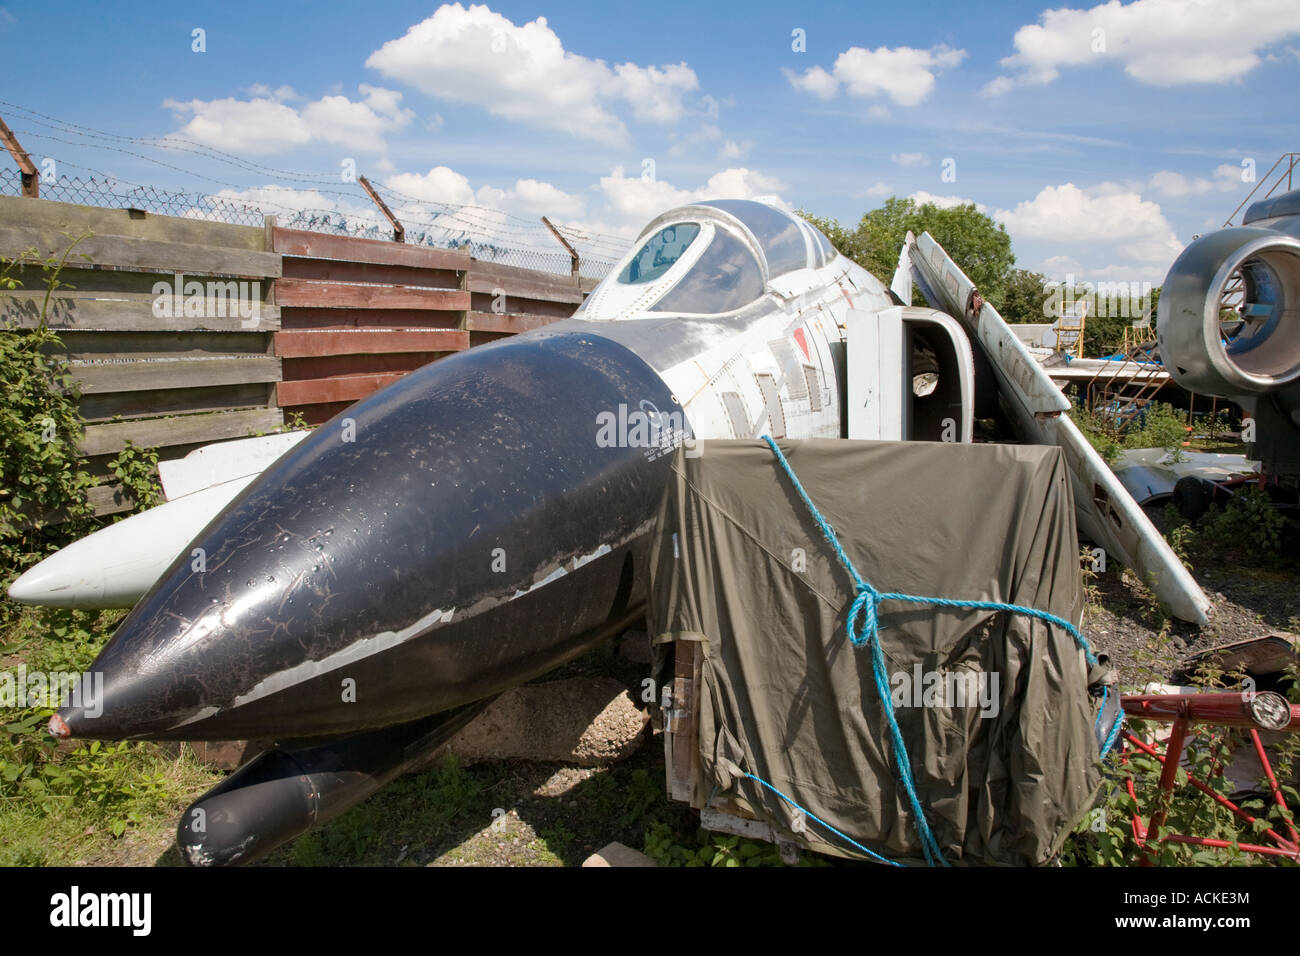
pixel 513 322
pixel 318 245
pixel 110 438
pixel 342 388
pixel 129 311
pixel 356 295
pixel 314 342
pixel 136 376
pixel 144 255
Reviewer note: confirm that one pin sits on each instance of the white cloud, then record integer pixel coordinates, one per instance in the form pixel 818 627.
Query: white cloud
pixel 281 93
pixel 1159 42
pixel 268 124
pixel 1175 185
pixel 524 73
pixel 631 202
pixel 1055 266
pixel 1108 213
pixel 544 199
pixel 655 94
pixel 439 184
pixel 908 159
pixel 1227 177
pixel 878 190
pixel 814 80
pixel 733 150
pixel 242 126
pixel 998 86
pixel 921 198
pixel 903 74
pixel 529 197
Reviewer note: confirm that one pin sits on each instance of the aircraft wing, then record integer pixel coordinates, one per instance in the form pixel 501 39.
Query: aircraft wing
pixel 1105 511
pixel 117 565
pixel 223 461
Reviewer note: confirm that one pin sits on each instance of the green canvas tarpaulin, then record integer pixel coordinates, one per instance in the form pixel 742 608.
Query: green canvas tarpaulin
pixel 993 706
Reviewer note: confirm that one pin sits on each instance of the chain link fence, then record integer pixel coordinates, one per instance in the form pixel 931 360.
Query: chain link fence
pixel 487 234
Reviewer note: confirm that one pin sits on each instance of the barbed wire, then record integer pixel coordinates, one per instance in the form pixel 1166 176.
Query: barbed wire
pixel 172 142
pixel 121 195
pixel 487 234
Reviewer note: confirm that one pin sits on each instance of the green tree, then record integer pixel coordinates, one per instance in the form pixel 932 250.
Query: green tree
pixel 976 243
pixel 1024 297
pixel 980 246
pixel 1104 334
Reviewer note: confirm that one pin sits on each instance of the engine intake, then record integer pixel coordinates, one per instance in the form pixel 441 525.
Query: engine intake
pixel 1229 315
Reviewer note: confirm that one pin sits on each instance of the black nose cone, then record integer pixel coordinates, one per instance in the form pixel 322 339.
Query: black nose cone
pixel 443 539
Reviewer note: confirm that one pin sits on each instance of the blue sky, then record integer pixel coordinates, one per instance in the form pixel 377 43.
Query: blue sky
pixel 1104 137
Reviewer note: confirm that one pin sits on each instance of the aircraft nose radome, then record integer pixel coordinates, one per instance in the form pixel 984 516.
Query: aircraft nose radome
pixel 388 567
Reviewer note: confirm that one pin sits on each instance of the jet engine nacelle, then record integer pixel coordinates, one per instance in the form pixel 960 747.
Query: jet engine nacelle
pixel 1197 345
pixel 1229 323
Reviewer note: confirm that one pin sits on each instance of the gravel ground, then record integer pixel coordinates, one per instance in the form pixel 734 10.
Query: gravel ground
pixel 1251 597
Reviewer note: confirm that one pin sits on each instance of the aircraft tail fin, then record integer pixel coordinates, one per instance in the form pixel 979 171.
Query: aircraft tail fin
pixel 901 285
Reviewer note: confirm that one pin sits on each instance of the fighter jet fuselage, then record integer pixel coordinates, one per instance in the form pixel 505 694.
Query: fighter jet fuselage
pixel 473 525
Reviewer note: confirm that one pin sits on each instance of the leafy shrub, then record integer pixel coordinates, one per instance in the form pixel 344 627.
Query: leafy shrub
pixel 1099 431
pixel 41 478
pixel 1159 426
pixel 1249 523
pixel 137 470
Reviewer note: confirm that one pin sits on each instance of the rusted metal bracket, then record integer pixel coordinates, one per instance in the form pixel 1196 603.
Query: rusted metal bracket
pixel 30 174
pixel 399 231
pixel 573 253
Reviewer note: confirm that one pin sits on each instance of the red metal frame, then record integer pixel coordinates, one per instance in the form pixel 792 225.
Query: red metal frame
pixel 1184 712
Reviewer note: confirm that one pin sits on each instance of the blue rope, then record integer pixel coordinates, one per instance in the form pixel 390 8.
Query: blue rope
pixel 866 605
pixel 1115 727
pixel 813 816
pixel 1114 733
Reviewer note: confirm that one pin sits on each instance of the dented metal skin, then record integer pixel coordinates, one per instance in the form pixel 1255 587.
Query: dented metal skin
pixel 384 568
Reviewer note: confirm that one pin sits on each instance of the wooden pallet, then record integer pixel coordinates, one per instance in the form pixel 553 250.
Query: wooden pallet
pixel 685 783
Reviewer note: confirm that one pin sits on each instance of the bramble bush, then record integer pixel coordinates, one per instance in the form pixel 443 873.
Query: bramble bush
pixel 41 474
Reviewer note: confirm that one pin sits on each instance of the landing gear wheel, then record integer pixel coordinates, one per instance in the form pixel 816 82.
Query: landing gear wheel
pixel 1191 497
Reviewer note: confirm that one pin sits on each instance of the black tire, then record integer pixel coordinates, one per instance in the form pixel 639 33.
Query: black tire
pixel 1192 497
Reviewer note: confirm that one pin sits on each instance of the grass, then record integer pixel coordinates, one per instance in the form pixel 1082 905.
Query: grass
pixel 117 804
pixel 81 803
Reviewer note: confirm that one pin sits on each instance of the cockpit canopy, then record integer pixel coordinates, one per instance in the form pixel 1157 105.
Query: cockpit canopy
pixel 710 258
pixel 777 232
pixel 724 278
pixel 659 253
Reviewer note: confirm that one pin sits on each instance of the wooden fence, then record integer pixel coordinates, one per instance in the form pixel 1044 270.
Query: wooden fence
pixel 183 332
